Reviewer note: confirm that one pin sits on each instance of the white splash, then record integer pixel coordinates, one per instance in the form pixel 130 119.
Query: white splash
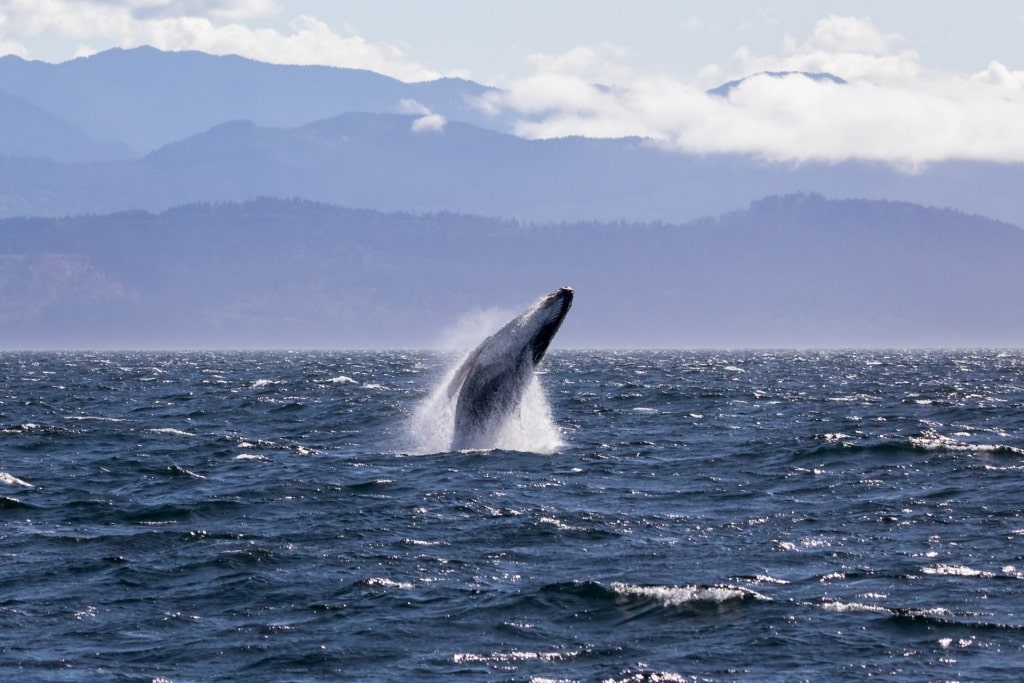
pixel 530 429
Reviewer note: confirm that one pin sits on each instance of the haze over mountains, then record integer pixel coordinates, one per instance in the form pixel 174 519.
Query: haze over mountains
pixel 666 248
pixel 791 271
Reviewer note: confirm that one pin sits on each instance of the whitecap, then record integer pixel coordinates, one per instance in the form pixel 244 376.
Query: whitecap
pixel 765 578
pixel 676 596
pixel 12 480
pixel 956 570
pixel 839 606
pixel 170 431
pixel 947 643
pixel 933 441
pixel 513 656
pixel 836 436
pixel 388 583
pixel 182 470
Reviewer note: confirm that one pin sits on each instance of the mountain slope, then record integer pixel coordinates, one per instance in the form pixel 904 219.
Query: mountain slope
pixel 31 132
pixel 147 98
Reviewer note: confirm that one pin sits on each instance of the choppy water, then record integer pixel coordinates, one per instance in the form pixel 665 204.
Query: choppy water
pixel 708 516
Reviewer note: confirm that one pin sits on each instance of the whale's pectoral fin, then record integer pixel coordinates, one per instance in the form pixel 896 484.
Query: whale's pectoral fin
pixel 460 374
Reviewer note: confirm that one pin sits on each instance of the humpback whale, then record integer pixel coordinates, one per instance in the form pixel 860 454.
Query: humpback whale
pixel 491 380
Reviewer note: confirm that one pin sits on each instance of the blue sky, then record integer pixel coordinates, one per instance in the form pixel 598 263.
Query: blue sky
pixel 927 80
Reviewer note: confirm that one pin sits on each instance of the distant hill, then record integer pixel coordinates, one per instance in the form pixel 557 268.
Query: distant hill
pixel 791 271
pixel 146 98
pixel 380 162
pixel 28 131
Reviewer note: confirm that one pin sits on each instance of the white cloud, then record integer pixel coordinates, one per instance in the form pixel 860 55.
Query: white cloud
pixel 430 123
pixel 426 120
pixel 212 26
pixel 220 9
pixel 595 63
pixel 411 106
pixel 217 9
pixel 891 110
pixel 837 34
pixel 997 74
pixel 13 47
pixel 849 47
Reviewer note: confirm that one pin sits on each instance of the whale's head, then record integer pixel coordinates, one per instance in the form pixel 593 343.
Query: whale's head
pixel 542 321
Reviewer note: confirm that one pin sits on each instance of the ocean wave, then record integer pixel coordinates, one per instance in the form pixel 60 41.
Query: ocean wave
pixel 957 570
pixel 745 540
pixel 513 656
pixel 169 431
pixel 931 440
pixel 840 606
pixel 12 480
pixel 20 429
pixel 678 596
pixel 929 617
pixel 651 677
pixel 9 503
pixel 383 582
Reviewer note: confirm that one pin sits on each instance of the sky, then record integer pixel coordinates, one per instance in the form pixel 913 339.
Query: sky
pixel 926 81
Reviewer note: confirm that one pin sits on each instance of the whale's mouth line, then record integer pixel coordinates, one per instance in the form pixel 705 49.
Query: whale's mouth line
pixel 540 342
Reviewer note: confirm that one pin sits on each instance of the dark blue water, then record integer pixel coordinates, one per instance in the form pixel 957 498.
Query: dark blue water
pixel 709 516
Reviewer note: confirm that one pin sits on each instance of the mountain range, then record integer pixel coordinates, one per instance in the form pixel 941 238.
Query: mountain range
pixel 382 162
pixel 145 129
pixel 156 199
pixel 797 270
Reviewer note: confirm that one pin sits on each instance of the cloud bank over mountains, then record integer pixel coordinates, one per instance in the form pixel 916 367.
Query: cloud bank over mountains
pixel 892 108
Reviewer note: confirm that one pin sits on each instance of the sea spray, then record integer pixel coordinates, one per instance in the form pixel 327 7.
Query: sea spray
pixel 530 428
pixel 507 409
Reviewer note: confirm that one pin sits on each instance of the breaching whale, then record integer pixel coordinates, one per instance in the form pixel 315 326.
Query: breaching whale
pixel 491 381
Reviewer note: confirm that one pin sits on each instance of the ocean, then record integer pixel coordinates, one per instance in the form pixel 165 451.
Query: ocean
pixel 652 516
